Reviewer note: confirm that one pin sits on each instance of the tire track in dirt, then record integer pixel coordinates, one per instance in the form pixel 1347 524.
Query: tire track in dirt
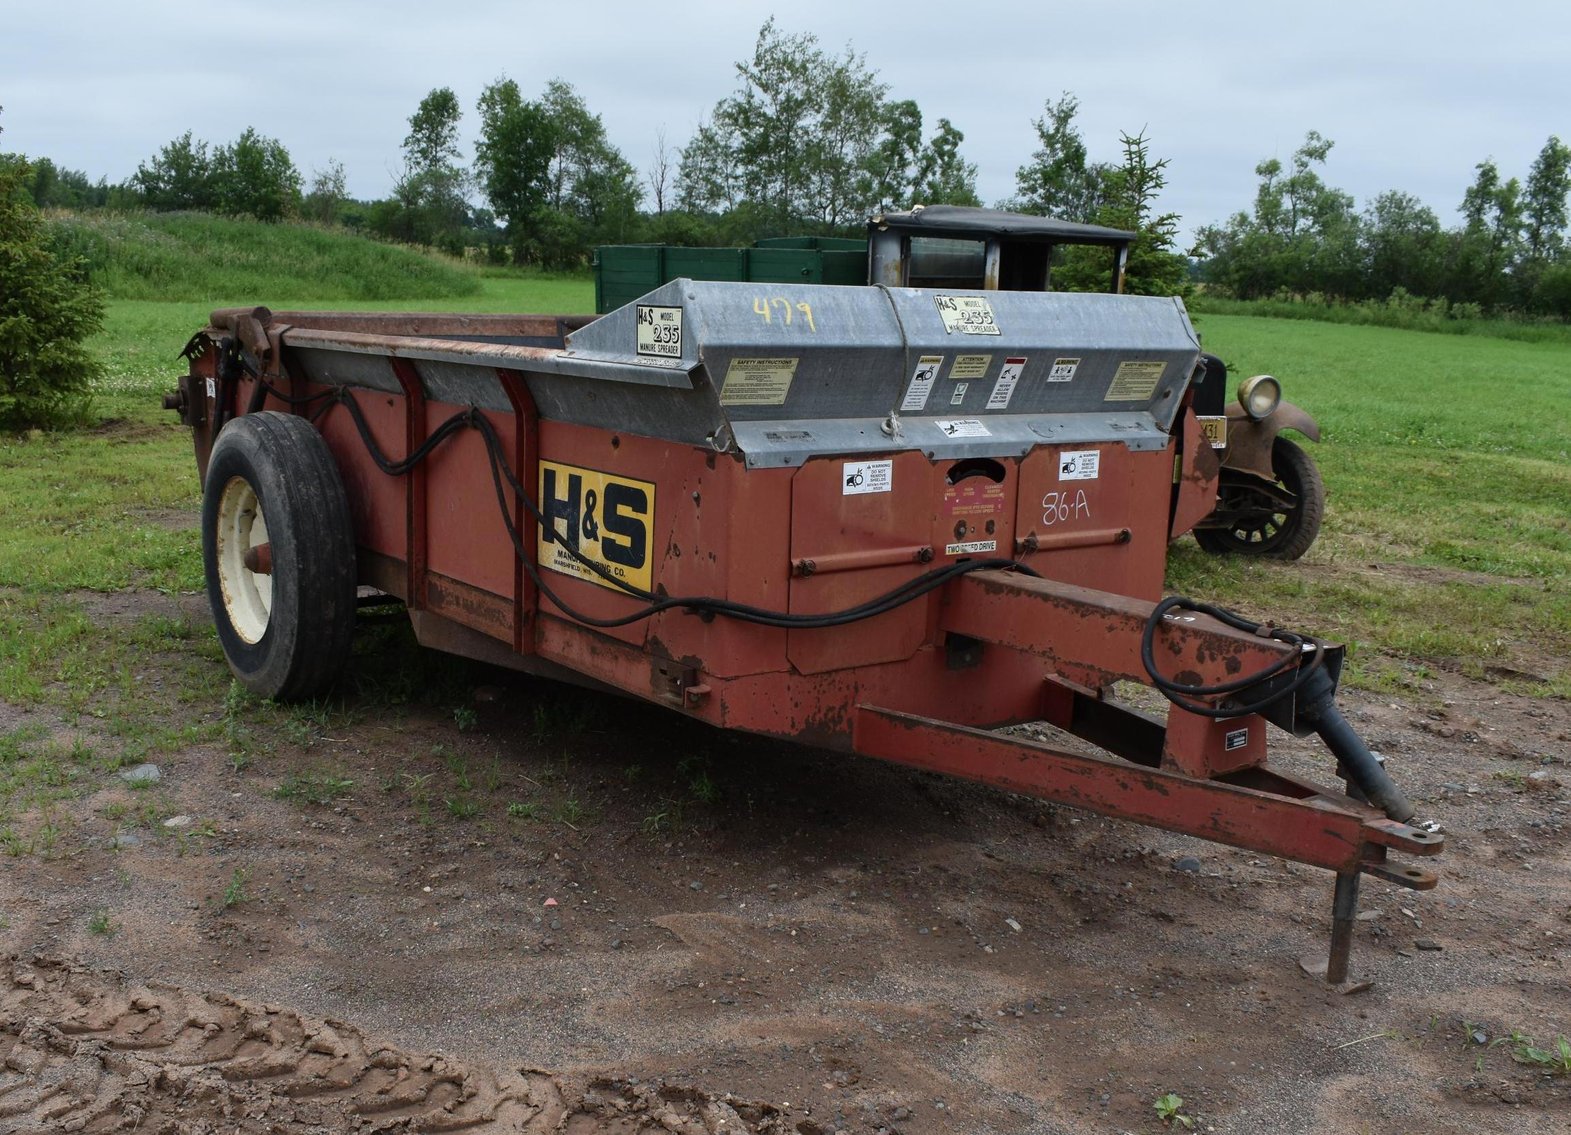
pixel 84 1051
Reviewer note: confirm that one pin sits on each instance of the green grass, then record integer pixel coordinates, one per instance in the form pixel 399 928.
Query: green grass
pixel 1448 474
pixel 1400 311
pixel 174 256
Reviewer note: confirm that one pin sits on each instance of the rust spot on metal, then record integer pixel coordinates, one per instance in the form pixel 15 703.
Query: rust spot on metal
pixel 259 559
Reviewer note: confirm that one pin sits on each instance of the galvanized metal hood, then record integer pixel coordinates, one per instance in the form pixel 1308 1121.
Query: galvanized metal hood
pixel 786 372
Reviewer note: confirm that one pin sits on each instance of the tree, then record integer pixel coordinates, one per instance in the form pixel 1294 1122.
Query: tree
pixel 180 176
pixel 1303 235
pixel 432 191
pixel 1057 181
pixel 943 177
pixel 328 193
pixel 593 191
pixel 513 157
pixel 1129 194
pixel 892 171
pixel 255 177
pixel 1544 201
pixel 1490 239
pixel 806 142
pixel 46 310
pixel 1403 245
pixel 660 172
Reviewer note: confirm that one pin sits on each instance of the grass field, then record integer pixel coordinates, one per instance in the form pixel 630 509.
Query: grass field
pixel 1445 457
pixel 1447 540
pixel 173 256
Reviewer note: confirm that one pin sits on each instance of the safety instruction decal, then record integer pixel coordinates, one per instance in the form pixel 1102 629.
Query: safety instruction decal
pixel 1004 388
pixel 857 477
pixel 1135 381
pixel 757 382
pixel 607 519
pixel 969 315
pixel 922 380
pixel 1063 370
pixel 660 333
pixel 1079 465
pixel 964 427
pixel 970 366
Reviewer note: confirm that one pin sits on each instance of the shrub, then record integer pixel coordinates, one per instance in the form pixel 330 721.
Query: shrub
pixel 46 310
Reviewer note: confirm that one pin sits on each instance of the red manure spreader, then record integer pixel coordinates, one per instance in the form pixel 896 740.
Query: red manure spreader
pixel 884 520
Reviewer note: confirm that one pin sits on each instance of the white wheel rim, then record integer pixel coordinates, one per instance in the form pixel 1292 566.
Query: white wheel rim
pixel 247 595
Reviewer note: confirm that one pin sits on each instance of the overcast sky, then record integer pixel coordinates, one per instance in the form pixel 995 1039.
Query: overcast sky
pixel 1413 94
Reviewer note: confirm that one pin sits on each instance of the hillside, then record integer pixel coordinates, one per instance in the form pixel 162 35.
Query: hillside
pixel 193 256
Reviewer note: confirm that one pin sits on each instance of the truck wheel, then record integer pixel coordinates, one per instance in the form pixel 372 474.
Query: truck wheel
pixel 1281 533
pixel 279 549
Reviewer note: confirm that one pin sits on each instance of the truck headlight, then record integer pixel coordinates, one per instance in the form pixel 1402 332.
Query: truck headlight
pixel 1259 396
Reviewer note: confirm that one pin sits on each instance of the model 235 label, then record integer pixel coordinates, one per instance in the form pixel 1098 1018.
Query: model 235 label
pixel 605 518
pixel 660 332
pixel 969 315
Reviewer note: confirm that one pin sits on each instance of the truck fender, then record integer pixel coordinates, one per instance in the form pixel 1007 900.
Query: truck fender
pixel 1249 442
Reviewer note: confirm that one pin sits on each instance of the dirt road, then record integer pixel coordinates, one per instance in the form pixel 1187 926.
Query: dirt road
pixel 604 918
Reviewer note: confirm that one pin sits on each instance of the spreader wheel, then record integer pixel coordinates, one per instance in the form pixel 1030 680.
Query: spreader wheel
pixel 279 549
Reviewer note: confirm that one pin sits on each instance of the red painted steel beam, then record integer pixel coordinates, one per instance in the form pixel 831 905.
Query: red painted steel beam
pixel 1324 830
pixel 1097 630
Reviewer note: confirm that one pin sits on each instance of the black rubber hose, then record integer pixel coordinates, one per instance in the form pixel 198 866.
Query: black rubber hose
pixel 1317 705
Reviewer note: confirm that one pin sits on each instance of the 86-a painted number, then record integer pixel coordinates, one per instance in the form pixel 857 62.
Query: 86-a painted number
pixel 1064 504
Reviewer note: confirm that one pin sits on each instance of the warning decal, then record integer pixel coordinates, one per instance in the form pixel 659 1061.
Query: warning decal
pixel 970 366
pixel 757 382
pixel 605 518
pixel 660 332
pixel 859 477
pixel 922 382
pixel 1079 465
pixel 1135 381
pixel 1063 370
pixel 964 427
pixel 1004 388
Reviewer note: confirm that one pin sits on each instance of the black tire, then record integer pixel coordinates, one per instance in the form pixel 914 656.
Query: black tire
pixel 285 632
pixel 1280 533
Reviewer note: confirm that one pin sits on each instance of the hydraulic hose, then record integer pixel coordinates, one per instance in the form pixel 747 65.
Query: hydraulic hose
pixel 1317 705
pixel 1312 683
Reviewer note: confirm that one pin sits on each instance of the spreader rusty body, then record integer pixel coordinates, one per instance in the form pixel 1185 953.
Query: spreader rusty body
pixel 883 520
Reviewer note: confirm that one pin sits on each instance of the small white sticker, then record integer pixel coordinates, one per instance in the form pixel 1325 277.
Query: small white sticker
pixel 965 427
pixel 1004 388
pixel 959 395
pixel 922 382
pixel 212 389
pixel 970 547
pixel 660 332
pixel 867 477
pixel 969 315
pixel 1079 465
pixel 1063 370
